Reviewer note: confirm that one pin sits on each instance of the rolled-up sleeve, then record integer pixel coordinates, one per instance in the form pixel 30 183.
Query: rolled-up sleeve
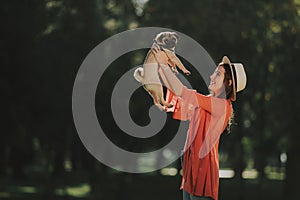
pixel 184 106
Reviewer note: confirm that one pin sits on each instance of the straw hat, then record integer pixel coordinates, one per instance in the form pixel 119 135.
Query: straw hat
pixel 238 74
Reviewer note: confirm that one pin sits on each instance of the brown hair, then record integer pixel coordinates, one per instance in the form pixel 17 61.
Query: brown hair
pixel 227 78
pixel 228 90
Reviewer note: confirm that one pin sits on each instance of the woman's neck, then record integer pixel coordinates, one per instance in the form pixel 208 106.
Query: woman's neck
pixel 219 94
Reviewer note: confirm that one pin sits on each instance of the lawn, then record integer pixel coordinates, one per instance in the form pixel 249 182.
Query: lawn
pixel 110 186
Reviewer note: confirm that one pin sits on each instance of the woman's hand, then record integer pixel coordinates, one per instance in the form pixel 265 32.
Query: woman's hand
pixel 160 55
pixel 155 48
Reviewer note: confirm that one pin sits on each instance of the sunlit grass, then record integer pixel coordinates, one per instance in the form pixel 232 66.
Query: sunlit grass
pixel 78 191
pixel 169 171
pixel 26 189
pixel 271 173
pixel 250 174
pixel 226 173
pixel 274 173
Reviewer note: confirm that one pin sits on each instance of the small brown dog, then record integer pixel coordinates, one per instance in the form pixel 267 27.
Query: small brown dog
pixel 149 74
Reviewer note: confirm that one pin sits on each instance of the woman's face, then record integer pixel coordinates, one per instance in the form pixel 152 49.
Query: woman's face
pixel 216 81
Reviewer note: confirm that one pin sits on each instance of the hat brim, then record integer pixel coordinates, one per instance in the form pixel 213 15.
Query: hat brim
pixel 225 60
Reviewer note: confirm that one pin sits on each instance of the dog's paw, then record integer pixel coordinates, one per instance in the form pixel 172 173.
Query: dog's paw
pixel 174 69
pixel 187 73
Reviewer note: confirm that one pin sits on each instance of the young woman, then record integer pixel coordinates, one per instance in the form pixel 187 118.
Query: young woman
pixel 209 115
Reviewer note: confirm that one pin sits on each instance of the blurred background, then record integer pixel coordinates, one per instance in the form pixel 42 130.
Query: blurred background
pixel 43 43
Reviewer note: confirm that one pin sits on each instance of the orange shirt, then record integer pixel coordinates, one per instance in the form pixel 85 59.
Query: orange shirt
pixel 208 118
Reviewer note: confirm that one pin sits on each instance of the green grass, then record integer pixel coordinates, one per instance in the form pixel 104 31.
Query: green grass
pixel 129 186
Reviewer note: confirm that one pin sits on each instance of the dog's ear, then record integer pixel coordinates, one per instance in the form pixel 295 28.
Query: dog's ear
pixel 159 38
pixel 175 35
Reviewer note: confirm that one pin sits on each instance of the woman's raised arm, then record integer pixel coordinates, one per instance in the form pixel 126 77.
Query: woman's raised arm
pixel 169 79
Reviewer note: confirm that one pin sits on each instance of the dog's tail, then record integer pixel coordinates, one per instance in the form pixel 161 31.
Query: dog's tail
pixel 139 74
